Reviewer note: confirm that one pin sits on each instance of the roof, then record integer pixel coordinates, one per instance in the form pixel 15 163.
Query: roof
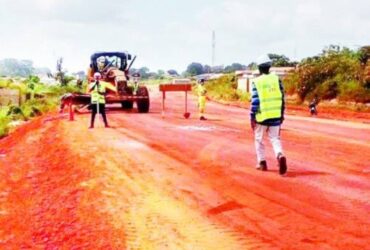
pixel 119 54
pixel 277 70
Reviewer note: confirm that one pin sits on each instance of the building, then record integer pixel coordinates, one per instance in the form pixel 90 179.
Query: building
pixel 245 77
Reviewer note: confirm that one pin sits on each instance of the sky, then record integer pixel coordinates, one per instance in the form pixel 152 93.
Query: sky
pixel 167 34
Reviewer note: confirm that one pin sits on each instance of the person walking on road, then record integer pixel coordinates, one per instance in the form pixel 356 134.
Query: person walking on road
pixel 202 99
pixel 267 113
pixel 98 91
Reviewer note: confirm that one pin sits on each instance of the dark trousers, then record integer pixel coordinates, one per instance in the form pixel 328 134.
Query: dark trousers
pixel 94 110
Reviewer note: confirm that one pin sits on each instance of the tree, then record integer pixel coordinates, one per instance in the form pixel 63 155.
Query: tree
pixel 281 61
pixel 60 73
pixel 252 66
pixel 217 69
pixel 160 72
pixel 335 73
pixel 172 72
pixel 207 69
pixel 194 69
pixel 144 72
pixel 234 67
pixel 14 67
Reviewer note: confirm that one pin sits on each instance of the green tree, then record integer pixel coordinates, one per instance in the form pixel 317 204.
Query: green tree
pixel 252 66
pixel 234 67
pixel 281 61
pixel 194 69
pixel 335 73
pixel 144 72
pixel 172 72
pixel 14 67
pixel 207 69
pixel 60 73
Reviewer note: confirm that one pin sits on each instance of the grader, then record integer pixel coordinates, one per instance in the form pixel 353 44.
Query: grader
pixel 114 68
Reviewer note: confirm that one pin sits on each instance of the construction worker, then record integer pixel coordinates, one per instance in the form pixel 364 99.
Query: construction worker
pixel 201 99
pixel 98 90
pixel 101 62
pixel 136 79
pixel 267 113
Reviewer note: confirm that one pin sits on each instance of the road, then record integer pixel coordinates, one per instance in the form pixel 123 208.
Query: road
pixel 172 183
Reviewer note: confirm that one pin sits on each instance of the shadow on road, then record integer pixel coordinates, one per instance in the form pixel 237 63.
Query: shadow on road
pixel 228 206
pixel 297 173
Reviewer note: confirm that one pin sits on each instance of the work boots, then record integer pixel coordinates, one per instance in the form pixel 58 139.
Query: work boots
pixel 282 164
pixel 202 118
pixel 262 165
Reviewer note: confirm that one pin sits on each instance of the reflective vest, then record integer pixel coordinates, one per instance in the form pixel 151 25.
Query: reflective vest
pixel 270 97
pixel 99 97
pixel 201 90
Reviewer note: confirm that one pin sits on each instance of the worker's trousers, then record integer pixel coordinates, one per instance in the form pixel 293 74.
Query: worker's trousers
pixel 273 133
pixel 201 105
pixel 94 110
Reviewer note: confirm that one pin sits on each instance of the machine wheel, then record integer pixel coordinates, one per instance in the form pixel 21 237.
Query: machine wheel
pixel 143 104
pixel 127 104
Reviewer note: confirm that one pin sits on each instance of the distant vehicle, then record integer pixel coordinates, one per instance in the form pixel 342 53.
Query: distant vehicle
pixel 312 107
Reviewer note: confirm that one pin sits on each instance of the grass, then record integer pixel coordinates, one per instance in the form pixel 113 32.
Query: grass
pixel 46 100
pixel 4 121
pixel 225 89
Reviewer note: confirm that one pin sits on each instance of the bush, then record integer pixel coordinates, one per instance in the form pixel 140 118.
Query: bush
pixel 4 122
pixel 4 126
pixel 327 90
pixel 290 83
pixel 223 88
pixel 244 96
pixel 15 113
pixel 327 75
pixel 35 107
pixel 353 91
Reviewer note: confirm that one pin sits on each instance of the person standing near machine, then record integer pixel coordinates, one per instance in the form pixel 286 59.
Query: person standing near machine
pixel 98 91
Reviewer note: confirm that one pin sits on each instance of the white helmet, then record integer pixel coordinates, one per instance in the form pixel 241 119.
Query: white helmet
pixel 97 75
pixel 264 60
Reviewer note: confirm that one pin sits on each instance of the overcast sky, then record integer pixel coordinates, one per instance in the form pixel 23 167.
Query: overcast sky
pixel 167 34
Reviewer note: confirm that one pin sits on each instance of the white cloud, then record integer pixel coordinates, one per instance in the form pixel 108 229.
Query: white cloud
pixel 171 34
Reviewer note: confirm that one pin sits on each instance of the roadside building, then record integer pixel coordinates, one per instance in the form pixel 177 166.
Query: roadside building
pixel 245 77
pixel 208 76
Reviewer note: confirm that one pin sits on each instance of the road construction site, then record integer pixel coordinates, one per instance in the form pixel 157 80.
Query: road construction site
pixel 154 182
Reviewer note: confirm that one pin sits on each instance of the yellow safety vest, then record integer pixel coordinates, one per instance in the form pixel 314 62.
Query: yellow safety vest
pixel 270 97
pixel 201 90
pixel 96 97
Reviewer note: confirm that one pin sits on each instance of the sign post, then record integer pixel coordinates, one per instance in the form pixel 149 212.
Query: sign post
pixel 168 87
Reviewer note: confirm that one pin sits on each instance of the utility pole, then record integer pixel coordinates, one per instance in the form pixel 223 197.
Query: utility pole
pixel 213 47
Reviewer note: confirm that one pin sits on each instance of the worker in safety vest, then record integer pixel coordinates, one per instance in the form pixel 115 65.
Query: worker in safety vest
pixel 201 99
pixel 98 91
pixel 136 79
pixel 267 113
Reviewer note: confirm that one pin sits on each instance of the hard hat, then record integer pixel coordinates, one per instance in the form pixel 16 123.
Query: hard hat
pixel 97 75
pixel 264 60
